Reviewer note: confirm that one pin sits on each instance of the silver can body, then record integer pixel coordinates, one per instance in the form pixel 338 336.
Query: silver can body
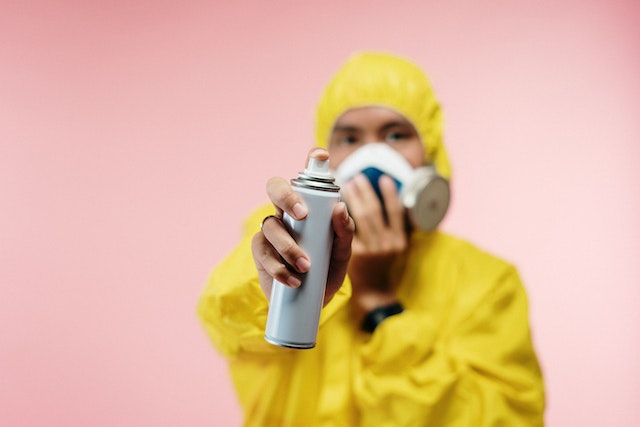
pixel 294 314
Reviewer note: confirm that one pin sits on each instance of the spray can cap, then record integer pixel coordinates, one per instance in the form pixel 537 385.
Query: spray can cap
pixel 317 168
pixel 316 175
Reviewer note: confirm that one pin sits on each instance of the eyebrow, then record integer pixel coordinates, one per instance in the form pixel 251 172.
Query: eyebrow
pixel 345 128
pixel 395 123
pixel 386 126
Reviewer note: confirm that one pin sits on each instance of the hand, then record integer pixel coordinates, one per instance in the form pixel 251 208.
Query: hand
pixel 378 242
pixel 278 256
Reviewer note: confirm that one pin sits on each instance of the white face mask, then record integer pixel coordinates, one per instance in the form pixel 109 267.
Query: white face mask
pixel 423 192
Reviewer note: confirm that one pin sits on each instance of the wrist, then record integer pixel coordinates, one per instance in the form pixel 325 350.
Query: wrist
pixel 379 314
pixel 364 300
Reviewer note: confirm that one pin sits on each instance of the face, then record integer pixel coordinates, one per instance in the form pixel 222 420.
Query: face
pixel 360 126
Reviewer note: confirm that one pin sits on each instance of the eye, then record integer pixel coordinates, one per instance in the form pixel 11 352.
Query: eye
pixel 396 136
pixel 348 140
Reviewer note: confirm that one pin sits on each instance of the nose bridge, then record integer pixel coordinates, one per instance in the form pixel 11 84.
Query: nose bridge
pixel 371 136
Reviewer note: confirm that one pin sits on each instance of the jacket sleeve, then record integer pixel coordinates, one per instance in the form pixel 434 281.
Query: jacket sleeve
pixel 233 308
pixel 477 368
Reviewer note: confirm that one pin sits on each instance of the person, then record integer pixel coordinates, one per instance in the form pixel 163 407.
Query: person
pixel 451 345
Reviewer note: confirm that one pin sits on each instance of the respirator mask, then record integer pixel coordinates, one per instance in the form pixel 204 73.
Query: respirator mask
pixel 423 192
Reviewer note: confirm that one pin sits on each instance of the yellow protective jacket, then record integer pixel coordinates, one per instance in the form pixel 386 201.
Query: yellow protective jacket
pixel 459 355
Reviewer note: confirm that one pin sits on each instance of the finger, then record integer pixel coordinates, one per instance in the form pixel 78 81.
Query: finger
pixel 355 207
pixel 365 208
pixel 318 153
pixel 270 266
pixel 392 203
pixel 257 250
pixel 284 245
pixel 344 229
pixel 285 199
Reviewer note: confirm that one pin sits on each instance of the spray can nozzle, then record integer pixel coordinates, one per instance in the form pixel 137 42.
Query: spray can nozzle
pixel 317 168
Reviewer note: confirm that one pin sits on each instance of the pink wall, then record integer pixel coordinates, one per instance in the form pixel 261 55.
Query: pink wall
pixel 134 136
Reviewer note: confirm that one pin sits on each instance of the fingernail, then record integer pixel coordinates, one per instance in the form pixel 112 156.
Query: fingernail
pixel 360 179
pixel 303 265
pixel 299 210
pixel 294 282
pixel 384 178
pixel 316 152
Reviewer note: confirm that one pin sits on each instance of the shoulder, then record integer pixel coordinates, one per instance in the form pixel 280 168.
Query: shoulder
pixel 465 275
pixel 461 266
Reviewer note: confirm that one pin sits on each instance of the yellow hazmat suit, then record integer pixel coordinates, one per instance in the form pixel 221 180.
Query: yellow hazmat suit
pixel 459 355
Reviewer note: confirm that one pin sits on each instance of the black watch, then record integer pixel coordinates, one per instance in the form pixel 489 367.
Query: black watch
pixel 378 315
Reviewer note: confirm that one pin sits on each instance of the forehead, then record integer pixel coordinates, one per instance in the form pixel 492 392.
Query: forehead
pixel 369 117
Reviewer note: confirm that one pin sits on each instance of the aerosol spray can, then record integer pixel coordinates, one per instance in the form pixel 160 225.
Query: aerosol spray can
pixel 294 314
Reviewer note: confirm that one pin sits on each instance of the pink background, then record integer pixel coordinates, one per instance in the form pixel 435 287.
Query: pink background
pixel 135 136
